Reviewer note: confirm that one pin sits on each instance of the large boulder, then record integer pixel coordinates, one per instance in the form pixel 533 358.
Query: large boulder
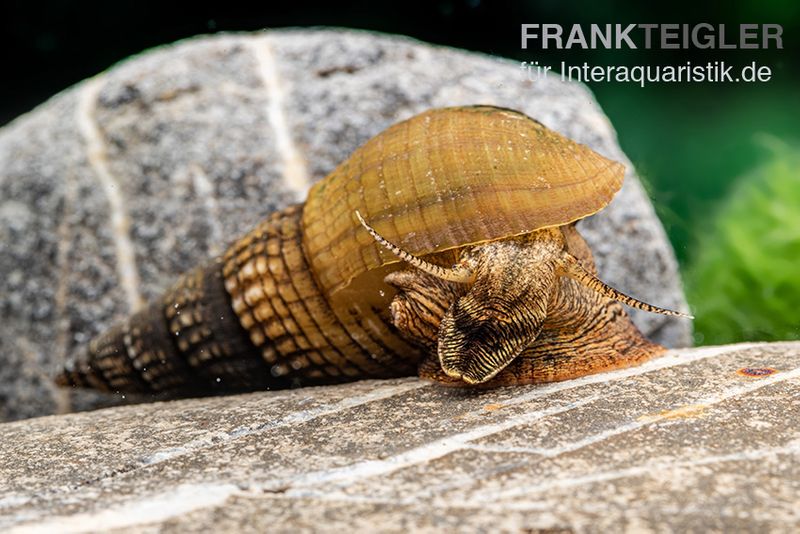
pixel 115 186
pixel 699 440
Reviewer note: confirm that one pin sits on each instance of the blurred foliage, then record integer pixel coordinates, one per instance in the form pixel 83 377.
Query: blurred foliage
pixel 690 145
pixel 744 280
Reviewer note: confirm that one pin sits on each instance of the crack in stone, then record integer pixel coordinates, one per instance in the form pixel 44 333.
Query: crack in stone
pixel 119 218
pixel 295 172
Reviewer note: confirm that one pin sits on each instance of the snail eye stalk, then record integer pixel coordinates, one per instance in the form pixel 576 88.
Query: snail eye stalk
pixel 461 273
pixel 569 266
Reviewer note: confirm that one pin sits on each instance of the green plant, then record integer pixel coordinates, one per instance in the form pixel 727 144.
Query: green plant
pixel 744 280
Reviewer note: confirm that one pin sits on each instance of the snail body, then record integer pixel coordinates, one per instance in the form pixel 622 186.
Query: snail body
pixel 445 245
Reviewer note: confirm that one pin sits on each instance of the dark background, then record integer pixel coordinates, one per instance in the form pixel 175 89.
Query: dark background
pixel 689 142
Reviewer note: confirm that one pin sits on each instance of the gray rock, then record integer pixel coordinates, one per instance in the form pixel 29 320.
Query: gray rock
pixel 115 186
pixel 699 440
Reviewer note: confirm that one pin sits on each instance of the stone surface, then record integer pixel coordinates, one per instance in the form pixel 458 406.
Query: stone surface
pixel 115 186
pixel 686 442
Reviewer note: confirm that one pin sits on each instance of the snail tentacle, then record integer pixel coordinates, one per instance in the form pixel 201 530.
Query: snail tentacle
pixel 569 266
pixel 461 273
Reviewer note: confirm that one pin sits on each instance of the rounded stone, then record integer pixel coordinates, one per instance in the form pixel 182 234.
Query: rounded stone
pixel 112 188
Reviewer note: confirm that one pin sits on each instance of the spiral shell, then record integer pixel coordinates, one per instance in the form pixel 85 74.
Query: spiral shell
pixel 301 299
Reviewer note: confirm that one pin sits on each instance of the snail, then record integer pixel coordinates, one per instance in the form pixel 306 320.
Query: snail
pixel 444 246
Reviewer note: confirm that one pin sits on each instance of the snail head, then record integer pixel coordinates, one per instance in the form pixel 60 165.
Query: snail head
pixel 482 312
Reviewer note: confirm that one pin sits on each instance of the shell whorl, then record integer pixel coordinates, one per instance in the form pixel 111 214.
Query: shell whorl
pixel 254 318
pixel 299 331
pixel 186 341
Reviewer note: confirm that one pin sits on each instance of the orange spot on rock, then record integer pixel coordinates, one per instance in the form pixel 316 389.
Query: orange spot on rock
pixel 756 372
pixel 493 407
pixel 690 410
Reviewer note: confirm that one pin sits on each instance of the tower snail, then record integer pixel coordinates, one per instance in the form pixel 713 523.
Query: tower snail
pixel 444 246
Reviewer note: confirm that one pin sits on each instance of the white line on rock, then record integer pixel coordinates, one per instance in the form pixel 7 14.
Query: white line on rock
pixel 380 393
pixel 357 471
pixel 430 451
pixel 295 173
pixel 150 509
pixel 205 192
pixel 13 499
pixel 120 220
pixel 710 400
pixel 64 233
pixel 646 469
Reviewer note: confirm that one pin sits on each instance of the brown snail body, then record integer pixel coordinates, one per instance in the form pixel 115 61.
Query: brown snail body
pixel 501 288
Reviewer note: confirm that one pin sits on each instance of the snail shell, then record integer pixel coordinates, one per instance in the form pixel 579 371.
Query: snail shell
pixel 446 179
pixel 302 298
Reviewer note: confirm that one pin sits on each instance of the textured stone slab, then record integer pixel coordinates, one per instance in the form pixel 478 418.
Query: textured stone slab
pixel 115 186
pixel 701 439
